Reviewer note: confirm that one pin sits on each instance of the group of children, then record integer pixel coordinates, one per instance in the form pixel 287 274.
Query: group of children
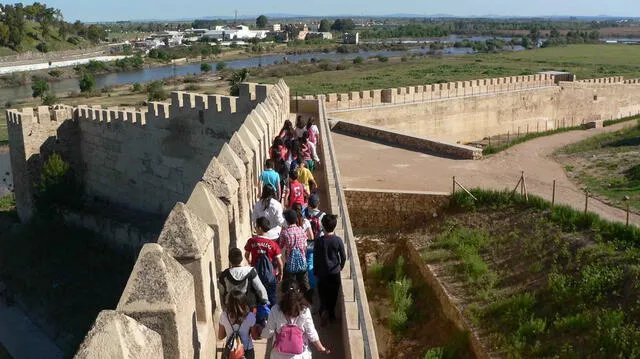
pixel 293 251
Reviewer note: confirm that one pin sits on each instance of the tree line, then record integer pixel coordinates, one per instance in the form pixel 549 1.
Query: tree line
pixel 14 28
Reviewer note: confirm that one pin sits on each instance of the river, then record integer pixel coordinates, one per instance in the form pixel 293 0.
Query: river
pixel 163 72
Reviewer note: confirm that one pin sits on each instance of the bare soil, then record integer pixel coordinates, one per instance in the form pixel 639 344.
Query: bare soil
pixel 391 168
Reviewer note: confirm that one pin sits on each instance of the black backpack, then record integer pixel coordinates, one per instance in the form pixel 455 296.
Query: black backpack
pixel 233 348
pixel 264 267
pixel 243 285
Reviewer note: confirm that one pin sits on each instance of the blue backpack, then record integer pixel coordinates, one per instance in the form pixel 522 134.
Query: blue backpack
pixel 296 262
pixel 264 267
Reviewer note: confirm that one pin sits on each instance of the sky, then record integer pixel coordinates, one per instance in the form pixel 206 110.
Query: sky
pixel 111 10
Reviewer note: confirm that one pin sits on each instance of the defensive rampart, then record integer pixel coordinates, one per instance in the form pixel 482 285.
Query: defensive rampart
pixel 336 102
pixel 516 107
pixel 168 307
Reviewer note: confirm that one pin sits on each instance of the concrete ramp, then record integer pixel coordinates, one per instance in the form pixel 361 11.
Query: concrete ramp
pixel 400 139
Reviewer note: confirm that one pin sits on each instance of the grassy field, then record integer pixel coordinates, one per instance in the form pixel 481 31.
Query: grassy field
pixel 586 61
pixel 540 282
pixel 608 165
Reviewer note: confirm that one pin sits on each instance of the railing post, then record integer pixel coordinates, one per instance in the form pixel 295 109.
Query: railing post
pixel 553 194
pixel 453 191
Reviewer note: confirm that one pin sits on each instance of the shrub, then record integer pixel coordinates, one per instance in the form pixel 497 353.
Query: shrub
pixel 325 66
pixel 49 99
pixel 39 88
pixel 136 87
pixel 205 67
pixel 156 91
pixel 57 186
pixel 55 73
pixel 341 67
pixel 42 47
pixel 87 83
pixel 192 87
pixel 221 66
pixel 633 173
pixel 358 60
pixel 383 58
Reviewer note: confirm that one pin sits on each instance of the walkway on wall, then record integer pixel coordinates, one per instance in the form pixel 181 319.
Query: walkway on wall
pixel 394 168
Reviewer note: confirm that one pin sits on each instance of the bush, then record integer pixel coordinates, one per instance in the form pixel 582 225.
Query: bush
pixel 49 99
pixel 39 88
pixel 358 60
pixel 156 91
pixel 87 83
pixel 136 87
pixel 341 67
pixel 221 66
pixel 42 47
pixel 205 67
pixel 57 186
pixel 192 87
pixel 55 73
pixel 383 58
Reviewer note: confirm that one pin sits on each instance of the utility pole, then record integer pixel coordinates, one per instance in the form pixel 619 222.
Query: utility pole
pixel 235 21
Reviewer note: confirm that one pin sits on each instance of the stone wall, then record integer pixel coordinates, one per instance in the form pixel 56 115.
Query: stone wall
pixel 371 209
pixel 404 140
pixel 335 102
pixel 172 289
pixel 532 110
pixel 168 308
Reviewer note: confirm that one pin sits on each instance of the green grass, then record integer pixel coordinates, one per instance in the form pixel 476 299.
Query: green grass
pixel 608 165
pixel 585 61
pixel 7 202
pixel 582 299
pixel 401 298
pixel 627 137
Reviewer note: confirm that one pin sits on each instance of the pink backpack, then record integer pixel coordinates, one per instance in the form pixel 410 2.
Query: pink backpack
pixel 290 339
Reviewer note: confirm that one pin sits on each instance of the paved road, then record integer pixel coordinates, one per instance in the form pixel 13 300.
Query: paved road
pixel 365 164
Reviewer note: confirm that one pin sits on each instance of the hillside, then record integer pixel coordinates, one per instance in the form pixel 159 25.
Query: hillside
pixel 33 37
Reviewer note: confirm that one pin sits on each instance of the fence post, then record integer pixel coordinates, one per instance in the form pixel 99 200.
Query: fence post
pixel 627 214
pixel 586 201
pixel 453 191
pixel 553 194
pixel 297 102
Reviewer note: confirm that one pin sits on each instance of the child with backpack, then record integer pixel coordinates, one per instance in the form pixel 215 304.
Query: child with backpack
pixel 236 324
pixel 243 279
pixel 293 242
pixel 262 252
pixel 296 191
pixel 291 324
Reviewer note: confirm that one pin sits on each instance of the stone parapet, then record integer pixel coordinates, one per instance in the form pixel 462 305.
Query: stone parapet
pixel 400 139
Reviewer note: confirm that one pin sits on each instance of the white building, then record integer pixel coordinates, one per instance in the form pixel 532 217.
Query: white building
pixel 172 38
pixel 319 35
pixel 234 33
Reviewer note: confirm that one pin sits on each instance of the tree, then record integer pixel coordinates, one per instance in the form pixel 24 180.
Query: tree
pixel 39 88
pixel 205 67
pixel 87 83
pixel 221 66
pixel 261 22
pixel 237 78
pixel 156 91
pixel 534 34
pixel 343 25
pixel 325 26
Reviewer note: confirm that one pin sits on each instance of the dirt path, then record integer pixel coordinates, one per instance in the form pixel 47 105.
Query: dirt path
pixel 365 164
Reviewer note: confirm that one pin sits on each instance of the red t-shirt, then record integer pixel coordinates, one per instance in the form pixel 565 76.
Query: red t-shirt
pixel 296 193
pixel 257 245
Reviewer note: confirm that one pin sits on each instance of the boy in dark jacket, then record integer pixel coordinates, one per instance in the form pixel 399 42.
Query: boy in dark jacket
pixel 328 260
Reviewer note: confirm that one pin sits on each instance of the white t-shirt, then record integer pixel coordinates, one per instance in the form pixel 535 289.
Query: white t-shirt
pixel 245 327
pixel 277 320
pixel 273 213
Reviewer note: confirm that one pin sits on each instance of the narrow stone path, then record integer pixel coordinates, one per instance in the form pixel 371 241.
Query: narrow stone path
pixel 365 164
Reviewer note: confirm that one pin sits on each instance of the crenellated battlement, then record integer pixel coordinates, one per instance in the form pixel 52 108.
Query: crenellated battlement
pixel 604 80
pixel 420 93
